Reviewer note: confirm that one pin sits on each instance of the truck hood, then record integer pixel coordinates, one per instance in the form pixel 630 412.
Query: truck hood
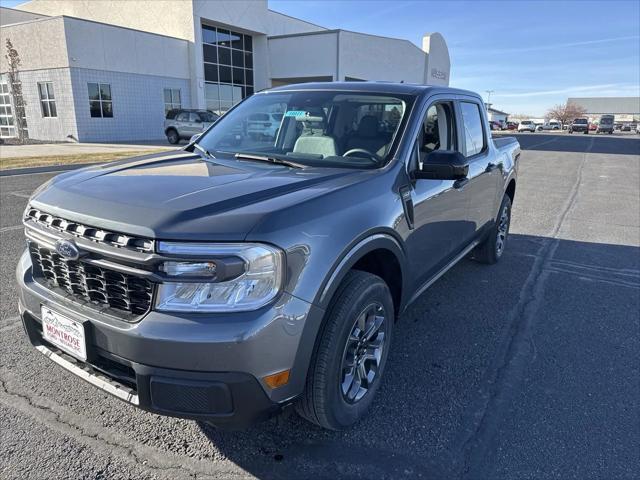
pixel 180 196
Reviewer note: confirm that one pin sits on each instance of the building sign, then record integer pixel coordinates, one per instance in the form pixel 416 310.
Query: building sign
pixel 439 74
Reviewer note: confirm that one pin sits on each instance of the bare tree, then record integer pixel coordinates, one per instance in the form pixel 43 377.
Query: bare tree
pixel 566 112
pixel 15 85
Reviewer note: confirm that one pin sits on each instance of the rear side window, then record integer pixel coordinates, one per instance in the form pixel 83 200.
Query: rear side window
pixel 473 131
pixel 182 117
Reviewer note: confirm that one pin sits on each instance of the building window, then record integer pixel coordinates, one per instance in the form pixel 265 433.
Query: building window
pixel 7 128
pixel 172 99
pixel 47 99
pixel 100 103
pixel 228 67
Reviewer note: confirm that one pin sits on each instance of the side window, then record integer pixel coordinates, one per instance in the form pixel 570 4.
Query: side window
pixel 473 131
pixel 194 118
pixel 182 117
pixel 437 132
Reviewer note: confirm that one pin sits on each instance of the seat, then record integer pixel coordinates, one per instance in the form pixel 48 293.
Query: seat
pixel 316 145
pixel 367 137
pixel 314 139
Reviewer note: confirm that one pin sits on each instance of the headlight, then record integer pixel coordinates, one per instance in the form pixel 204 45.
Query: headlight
pixel 221 278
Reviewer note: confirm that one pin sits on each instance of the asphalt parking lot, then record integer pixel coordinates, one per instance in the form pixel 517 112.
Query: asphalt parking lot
pixel 527 369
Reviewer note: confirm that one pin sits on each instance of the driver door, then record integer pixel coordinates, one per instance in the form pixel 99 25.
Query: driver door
pixel 441 227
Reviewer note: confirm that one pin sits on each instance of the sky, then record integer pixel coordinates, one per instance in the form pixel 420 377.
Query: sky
pixel 532 54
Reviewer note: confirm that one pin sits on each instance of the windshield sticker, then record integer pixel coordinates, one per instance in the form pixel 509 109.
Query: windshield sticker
pixel 296 113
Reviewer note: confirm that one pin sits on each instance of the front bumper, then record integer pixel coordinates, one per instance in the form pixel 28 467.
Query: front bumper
pixel 203 367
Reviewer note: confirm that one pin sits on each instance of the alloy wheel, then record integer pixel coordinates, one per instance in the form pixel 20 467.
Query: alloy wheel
pixel 503 230
pixel 363 353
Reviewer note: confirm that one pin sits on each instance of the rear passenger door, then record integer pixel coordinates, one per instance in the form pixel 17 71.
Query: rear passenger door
pixel 483 173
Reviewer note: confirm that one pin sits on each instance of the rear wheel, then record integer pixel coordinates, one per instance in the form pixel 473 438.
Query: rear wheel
pixel 351 353
pixel 172 136
pixel 492 248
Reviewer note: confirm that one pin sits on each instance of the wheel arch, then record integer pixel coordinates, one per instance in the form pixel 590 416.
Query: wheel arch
pixel 380 254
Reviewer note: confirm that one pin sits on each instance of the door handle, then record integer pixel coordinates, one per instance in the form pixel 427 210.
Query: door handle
pixel 491 167
pixel 460 183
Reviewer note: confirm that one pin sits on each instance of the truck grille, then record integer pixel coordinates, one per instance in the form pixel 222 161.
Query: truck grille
pixel 100 286
pixel 97 235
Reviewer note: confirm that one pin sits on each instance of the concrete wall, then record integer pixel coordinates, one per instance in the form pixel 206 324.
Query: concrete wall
pixel 9 16
pixel 41 44
pixel 138 105
pixel 166 17
pixel 370 57
pixel 104 47
pixel 304 55
pixel 60 128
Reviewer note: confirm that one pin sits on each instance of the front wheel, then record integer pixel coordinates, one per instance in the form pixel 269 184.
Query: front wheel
pixel 492 248
pixel 172 136
pixel 350 354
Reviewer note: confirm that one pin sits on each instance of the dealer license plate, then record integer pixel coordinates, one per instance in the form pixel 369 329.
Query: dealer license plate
pixel 64 333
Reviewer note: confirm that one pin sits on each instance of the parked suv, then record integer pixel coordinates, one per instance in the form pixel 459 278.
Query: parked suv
pixel 182 124
pixel 605 125
pixel 579 125
pixel 224 283
pixel 527 126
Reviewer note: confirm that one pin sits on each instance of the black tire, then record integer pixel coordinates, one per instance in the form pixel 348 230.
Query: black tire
pixel 586 132
pixel 323 401
pixel 570 132
pixel 172 136
pixel 492 248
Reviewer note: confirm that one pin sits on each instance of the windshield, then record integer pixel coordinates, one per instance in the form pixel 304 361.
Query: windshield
pixel 315 128
pixel 606 120
pixel 580 120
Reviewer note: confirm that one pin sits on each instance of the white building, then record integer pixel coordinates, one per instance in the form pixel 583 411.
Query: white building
pixel 107 70
pixel 497 116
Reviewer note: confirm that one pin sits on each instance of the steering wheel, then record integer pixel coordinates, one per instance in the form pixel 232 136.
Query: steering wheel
pixel 369 155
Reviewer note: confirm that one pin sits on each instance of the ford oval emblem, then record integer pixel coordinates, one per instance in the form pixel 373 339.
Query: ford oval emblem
pixel 67 249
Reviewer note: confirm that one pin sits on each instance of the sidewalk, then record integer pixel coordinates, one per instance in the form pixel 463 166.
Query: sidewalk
pixel 62 149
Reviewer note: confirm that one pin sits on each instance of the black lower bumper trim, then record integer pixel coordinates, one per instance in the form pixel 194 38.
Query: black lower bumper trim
pixel 230 400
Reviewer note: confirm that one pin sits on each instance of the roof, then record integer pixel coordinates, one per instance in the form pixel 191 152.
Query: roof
pixel 499 112
pixel 620 105
pixel 374 87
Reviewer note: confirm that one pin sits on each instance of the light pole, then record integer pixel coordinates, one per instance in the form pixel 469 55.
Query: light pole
pixel 489 92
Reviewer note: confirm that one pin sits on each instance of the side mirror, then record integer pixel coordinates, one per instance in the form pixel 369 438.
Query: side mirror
pixel 443 165
pixel 194 138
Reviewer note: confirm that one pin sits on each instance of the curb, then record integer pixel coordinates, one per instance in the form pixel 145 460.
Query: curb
pixel 46 169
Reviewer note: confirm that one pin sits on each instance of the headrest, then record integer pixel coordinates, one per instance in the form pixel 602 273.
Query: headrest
pixel 368 126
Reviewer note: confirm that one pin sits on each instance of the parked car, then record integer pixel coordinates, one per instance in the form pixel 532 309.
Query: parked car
pixel 605 125
pixel 626 127
pixel 264 125
pixel 579 125
pixel 593 127
pixel 552 125
pixel 633 127
pixel 182 124
pixel 512 126
pixel 526 126
pixel 637 127
pixel 493 125
pixel 223 284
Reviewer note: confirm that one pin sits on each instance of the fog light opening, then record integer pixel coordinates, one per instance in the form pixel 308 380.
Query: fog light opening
pixel 276 380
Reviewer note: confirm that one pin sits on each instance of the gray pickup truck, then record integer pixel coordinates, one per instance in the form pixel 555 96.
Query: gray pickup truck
pixel 229 280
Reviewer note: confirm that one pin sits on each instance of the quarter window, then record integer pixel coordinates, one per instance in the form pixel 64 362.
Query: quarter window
pixel 47 99
pixel 100 102
pixel 473 131
pixel 172 99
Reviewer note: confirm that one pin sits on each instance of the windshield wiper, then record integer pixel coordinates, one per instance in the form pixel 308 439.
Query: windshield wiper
pixel 268 159
pixel 204 151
